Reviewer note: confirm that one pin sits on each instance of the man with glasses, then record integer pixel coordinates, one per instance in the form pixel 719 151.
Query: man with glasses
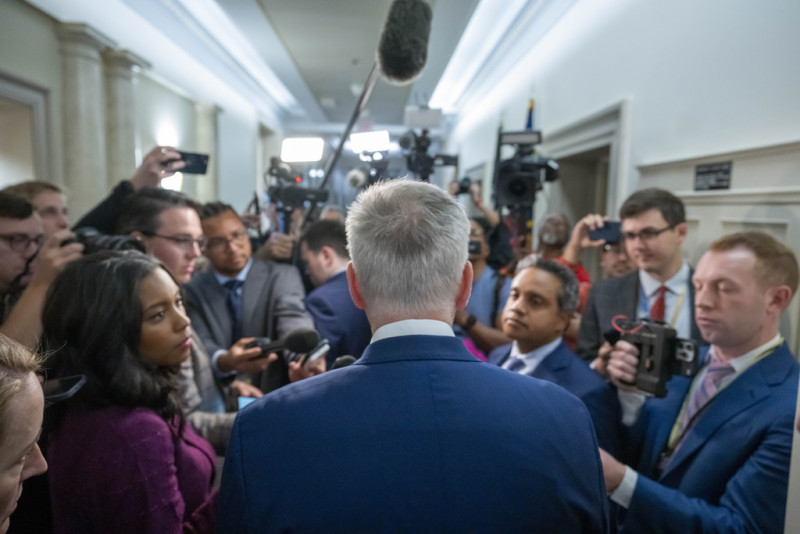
pixel 653 224
pixel 240 298
pixel 23 285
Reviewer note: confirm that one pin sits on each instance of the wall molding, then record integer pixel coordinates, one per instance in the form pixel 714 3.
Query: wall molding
pixel 753 195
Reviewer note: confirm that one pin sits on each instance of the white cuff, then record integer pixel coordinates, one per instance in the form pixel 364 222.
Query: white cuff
pixel 624 492
pixel 215 367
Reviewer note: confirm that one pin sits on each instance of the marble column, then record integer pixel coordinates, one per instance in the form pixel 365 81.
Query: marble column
pixel 85 168
pixel 123 142
pixel 206 186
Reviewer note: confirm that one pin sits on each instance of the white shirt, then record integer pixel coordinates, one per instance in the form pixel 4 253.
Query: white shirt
pixel 677 285
pixel 624 492
pixel 533 358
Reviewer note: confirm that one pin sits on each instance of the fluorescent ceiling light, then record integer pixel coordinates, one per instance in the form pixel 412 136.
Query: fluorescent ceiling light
pixel 369 141
pixel 297 149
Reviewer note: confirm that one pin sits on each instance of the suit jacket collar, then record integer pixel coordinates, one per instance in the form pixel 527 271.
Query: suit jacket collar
pixel 416 348
pixel 750 388
pixel 555 363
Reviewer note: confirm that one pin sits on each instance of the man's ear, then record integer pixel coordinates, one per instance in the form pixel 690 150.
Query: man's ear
pixel 465 287
pixel 778 298
pixel 139 236
pixel 328 256
pixel 355 291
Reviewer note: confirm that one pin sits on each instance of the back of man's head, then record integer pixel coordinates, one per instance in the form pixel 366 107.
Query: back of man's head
pixel 326 233
pixel 140 212
pixel 408 244
pixel 30 189
pixel 776 263
pixel 14 207
pixel 670 206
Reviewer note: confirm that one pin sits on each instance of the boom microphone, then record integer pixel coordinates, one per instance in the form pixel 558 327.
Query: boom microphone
pixel 403 47
pixel 298 340
pixel 343 361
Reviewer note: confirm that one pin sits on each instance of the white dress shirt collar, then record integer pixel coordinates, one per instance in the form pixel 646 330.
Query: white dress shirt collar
pixel 413 327
pixel 533 358
pixel 677 284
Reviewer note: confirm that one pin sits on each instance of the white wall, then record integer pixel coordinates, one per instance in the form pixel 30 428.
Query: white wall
pixel 16 149
pixel 29 52
pixel 702 78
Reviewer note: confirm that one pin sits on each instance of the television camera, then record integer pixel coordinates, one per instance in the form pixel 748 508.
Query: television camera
pixel 418 160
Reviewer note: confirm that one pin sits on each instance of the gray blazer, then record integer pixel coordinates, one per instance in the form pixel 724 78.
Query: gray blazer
pixel 616 296
pixel 272 306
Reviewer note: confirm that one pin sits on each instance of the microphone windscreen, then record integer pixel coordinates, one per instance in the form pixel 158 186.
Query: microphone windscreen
pixel 356 178
pixel 301 340
pixel 403 47
pixel 343 361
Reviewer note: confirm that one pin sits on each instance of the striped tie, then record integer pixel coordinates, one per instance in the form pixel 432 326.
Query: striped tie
pixel 715 372
pixel 658 311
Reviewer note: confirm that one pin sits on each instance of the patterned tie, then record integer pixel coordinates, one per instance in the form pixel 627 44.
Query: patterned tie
pixel 658 310
pixel 715 373
pixel 234 303
pixel 516 364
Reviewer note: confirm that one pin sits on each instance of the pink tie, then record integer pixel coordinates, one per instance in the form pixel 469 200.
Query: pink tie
pixel 715 372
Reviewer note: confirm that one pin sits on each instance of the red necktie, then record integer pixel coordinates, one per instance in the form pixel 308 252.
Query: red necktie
pixel 659 306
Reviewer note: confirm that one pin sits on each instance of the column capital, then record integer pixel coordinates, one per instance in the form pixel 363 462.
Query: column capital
pixel 124 60
pixel 83 34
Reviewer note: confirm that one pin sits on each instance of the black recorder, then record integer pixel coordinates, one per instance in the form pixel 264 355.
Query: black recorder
pixel 662 354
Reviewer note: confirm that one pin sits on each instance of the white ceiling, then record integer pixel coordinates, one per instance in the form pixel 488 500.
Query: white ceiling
pixel 300 63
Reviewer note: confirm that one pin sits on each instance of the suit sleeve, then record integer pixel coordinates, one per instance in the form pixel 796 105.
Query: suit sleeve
pixel 754 499
pixel 603 407
pixel 326 324
pixel 289 308
pixel 232 516
pixel 589 339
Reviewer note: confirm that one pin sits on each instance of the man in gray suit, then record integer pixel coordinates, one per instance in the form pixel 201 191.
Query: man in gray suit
pixel 240 298
pixel 653 224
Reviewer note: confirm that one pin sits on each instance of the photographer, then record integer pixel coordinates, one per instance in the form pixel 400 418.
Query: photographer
pixel 23 282
pixel 713 455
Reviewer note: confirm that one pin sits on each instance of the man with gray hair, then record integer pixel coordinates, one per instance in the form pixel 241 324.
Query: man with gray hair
pixel 543 298
pixel 417 435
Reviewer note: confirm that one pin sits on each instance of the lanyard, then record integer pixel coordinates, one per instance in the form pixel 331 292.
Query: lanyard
pixel 644 304
pixel 676 436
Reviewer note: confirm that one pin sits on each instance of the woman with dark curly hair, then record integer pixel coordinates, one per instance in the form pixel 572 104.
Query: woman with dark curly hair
pixel 121 458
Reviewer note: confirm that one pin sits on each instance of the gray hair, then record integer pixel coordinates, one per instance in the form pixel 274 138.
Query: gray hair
pixel 568 295
pixel 408 244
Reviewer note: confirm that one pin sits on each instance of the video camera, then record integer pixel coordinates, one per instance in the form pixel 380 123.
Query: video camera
pixel 662 353
pixel 418 160
pixel 519 178
pixel 291 196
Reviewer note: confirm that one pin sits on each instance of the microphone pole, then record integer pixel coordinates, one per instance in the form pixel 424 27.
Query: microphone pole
pixel 372 79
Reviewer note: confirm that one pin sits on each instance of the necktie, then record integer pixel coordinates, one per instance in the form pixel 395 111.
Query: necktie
pixel 516 364
pixel 709 387
pixel 659 306
pixel 234 304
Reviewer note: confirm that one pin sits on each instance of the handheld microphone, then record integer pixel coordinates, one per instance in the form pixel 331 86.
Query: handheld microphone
pixel 403 46
pixel 298 340
pixel 343 361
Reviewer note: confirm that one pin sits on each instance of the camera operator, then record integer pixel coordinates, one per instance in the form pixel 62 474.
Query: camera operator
pixel 713 455
pixel 23 282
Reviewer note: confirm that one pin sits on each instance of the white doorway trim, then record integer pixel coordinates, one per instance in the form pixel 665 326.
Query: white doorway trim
pixel 35 97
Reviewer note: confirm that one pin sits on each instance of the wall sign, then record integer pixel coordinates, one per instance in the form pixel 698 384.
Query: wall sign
pixel 713 176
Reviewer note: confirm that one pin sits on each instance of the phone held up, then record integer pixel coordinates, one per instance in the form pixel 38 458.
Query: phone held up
pixel 195 163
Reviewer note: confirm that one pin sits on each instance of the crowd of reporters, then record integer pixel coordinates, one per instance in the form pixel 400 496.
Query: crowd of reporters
pixel 151 335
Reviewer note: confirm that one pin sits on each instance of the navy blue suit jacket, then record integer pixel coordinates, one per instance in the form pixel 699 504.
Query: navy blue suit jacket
pixel 731 472
pixel 417 435
pixel 337 319
pixel 565 368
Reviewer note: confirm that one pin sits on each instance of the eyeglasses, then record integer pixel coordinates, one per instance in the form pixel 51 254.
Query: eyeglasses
pixel 21 242
pixel 186 242
pixel 217 243
pixel 648 234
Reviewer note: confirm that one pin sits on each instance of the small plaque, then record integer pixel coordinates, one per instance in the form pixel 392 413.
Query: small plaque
pixel 713 176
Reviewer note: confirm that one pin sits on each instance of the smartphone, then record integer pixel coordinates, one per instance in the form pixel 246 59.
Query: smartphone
pixel 60 389
pixel 195 163
pixel 610 232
